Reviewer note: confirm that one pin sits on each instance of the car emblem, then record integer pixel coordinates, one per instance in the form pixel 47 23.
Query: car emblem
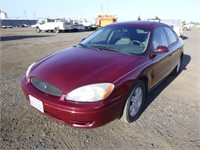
pixel 42 85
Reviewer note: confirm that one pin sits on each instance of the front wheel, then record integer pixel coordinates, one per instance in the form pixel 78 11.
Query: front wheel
pixel 134 103
pixel 57 30
pixel 38 30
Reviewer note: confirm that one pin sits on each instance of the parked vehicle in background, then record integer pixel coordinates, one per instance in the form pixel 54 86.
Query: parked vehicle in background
pixel 187 27
pixel 103 20
pixel 55 25
pixel 24 25
pixel 79 27
pixel 106 76
pixel 176 25
pixel 89 24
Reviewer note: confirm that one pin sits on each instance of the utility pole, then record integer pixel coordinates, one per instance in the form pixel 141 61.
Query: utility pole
pixel 102 9
pixel 34 15
pixel 108 7
pixel 24 12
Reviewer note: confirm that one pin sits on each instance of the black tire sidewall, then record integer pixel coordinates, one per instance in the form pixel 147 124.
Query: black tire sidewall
pixel 38 30
pixel 129 118
pixel 57 30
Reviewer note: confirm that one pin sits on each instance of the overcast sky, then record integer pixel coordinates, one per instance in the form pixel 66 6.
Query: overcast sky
pixel 188 10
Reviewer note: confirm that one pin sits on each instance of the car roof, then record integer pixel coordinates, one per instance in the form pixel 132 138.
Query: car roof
pixel 146 24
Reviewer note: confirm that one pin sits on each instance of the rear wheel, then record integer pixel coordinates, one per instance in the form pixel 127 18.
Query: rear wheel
pixel 134 103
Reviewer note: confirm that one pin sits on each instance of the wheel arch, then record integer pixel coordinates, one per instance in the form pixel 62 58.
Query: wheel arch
pixel 182 56
pixel 145 80
pixel 123 114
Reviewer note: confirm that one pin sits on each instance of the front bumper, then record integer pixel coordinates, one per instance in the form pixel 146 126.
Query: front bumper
pixel 82 115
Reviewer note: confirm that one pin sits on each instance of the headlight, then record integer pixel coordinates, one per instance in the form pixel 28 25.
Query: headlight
pixel 91 93
pixel 28 70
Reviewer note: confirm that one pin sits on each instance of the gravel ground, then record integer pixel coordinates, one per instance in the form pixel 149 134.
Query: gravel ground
pixel 171 119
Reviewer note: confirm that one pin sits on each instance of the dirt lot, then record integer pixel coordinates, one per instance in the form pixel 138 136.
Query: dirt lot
pixel 171 119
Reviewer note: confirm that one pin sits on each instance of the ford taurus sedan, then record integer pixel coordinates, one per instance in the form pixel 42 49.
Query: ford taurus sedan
pixel 105 77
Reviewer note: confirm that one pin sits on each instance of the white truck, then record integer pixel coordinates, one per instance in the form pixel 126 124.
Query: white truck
pixel 187 27
pixel 89 24
pixel 176 25
pixel 55 25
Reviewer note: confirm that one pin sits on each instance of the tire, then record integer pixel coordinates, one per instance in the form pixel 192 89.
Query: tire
pixel 135 102
pixel 56 30
pixel 38 30
pixel 86 28
pixel 75 30
pixel 177 69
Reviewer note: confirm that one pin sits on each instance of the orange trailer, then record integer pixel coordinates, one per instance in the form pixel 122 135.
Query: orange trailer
pixel 105 20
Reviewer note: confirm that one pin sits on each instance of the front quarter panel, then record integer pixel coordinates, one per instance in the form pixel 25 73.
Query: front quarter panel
pixel 125 79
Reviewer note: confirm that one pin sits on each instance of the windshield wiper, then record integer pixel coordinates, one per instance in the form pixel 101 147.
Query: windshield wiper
pixel 105 48
pixel 85 46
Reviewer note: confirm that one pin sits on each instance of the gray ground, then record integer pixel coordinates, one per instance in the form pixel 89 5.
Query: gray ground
pixel 171 119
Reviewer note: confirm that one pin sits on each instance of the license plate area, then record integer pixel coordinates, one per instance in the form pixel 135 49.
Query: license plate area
pixel 36 103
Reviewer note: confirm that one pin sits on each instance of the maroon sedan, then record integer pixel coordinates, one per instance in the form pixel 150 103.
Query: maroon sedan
pixel 106 76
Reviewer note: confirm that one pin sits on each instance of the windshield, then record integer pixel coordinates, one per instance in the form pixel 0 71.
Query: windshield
pixel 122 39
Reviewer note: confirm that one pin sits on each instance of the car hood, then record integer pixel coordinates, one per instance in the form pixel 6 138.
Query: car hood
pixel 75 67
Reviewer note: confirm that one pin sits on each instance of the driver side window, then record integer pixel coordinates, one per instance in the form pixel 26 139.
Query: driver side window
pixel 159 38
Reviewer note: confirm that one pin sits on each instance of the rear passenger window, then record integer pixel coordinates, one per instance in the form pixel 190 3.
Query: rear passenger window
pixel 171 35
pixel 159 38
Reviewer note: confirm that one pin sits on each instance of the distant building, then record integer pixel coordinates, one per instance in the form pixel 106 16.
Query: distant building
pixel 3 15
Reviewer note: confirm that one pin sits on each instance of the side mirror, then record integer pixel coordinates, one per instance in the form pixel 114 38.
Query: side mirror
pixel 161 49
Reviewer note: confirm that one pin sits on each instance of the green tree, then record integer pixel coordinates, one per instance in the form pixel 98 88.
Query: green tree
pixel 139 18
pixel 183 23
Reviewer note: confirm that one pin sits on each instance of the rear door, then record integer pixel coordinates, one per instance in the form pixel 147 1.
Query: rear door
pixel 174 47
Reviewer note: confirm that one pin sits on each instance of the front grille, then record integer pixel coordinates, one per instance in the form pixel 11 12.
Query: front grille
pixel 46 87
